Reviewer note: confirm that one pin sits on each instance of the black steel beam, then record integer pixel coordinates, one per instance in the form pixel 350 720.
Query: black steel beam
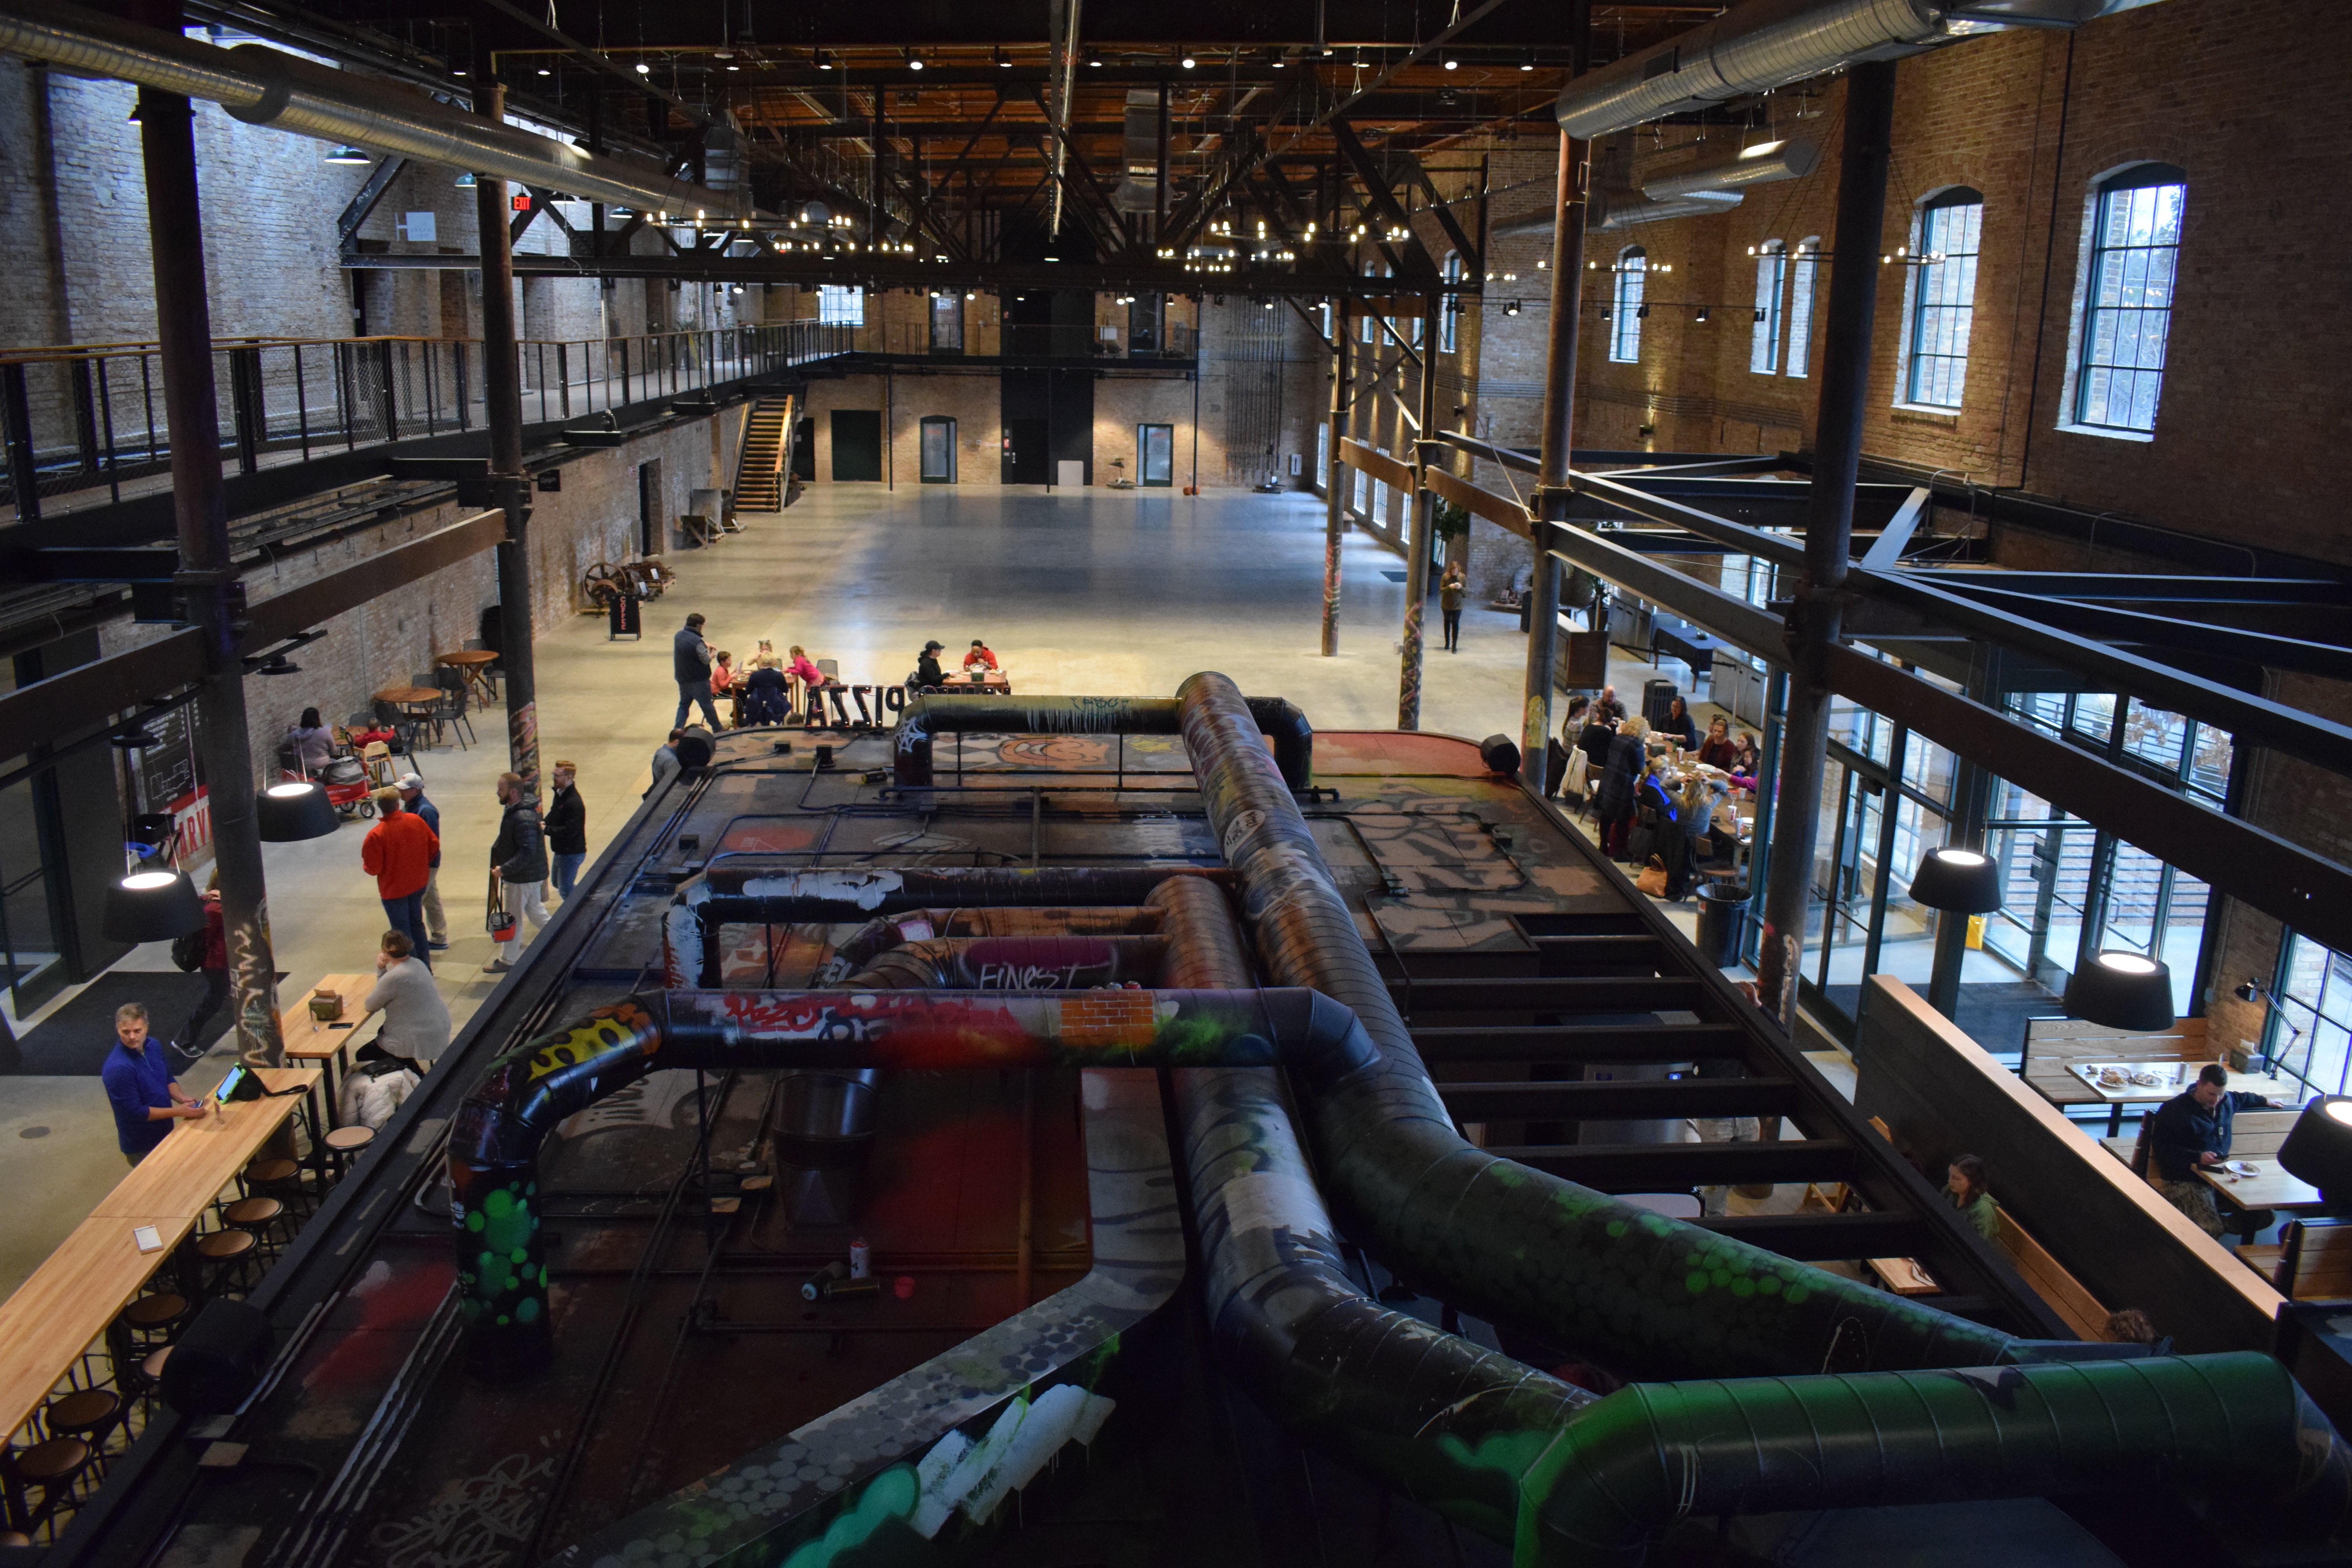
pixel 1679 1167
pixel 2110 623
pixel 1512 993
pixel 1621 1101
pixel 1573 1043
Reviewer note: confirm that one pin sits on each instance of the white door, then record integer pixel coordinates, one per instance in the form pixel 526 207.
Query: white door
pixel 1071 473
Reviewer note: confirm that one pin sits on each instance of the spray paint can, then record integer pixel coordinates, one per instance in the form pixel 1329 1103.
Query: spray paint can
pixel 821 1282
pixel 860 1258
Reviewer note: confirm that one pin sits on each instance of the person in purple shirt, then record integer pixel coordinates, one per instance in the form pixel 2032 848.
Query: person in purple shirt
pixel 139 1084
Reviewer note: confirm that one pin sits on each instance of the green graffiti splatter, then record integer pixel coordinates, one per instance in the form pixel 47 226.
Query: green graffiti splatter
pixel 889 1496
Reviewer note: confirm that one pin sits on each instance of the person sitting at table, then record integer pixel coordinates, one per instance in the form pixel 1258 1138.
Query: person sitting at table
pixel 979 657
pixel 1748 759
pixel 1966 1188
pixel 1695 816
pixel 928 674
pixel 1678 726
pixel 1599 728
pixel 2190 1132
pixel 415 1019
pixel 1717 750
pixel 803 670
pixel 313 742
pixel 1561 752
pixel 145 1096
pixel 766 699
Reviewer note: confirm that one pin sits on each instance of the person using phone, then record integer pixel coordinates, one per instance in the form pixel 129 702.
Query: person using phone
pixel 415 1019
pixel 145 1097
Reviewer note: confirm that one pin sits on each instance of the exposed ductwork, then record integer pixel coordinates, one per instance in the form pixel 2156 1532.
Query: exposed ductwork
pixel 1765 162
pixel 1284 727
pixel 1767 43
pixel 1618 207
pixel 262 86
pixel 1138 189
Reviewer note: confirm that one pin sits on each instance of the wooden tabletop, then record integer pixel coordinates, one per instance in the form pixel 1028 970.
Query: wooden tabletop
pixel 70 1298
pixel 200 1156
pixel 472 656
pixel 2059 1082
pixel 2255 1137
pixel 1904 1276
pixel 309 1041
pixel 408 694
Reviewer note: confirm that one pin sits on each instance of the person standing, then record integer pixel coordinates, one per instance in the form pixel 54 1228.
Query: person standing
pixel 400 853
pixel 146 1097
pixel 1450 589
pixel 567 831
pixel 412 799
pixel 1614 802
pixel 415 1019
pixel 691 664
pixel 518 865
pixel 214 967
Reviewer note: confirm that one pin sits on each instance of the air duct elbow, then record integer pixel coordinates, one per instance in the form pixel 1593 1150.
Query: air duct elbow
pixel 1761 164
pixel 1618 208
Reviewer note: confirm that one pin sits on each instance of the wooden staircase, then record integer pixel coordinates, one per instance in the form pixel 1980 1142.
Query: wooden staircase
pixel 759 467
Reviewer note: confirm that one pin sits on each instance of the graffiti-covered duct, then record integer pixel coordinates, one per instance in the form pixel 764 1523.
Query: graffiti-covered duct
pixel 1278 718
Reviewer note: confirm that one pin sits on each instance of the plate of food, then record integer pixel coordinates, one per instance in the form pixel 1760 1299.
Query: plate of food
pixel 2146 1077
pixel 2112 1077
pixel 2245 1168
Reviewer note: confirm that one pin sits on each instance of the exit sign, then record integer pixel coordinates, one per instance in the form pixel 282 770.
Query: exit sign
pixel 522 201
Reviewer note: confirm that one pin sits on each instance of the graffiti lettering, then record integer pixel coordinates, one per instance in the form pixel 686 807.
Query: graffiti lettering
pixel 480 1526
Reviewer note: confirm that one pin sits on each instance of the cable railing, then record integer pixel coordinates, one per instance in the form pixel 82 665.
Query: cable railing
pixel 80 421
pixel 1018 340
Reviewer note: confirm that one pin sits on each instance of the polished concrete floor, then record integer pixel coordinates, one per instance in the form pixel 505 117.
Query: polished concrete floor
pixel 1083 593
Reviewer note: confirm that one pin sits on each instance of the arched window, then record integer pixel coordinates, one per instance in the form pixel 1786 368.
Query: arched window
pixel 1943 297
pixel 1626 309
pixel 1449 313
pixel 2128 295
pixel 1764 341
pixel 1804 270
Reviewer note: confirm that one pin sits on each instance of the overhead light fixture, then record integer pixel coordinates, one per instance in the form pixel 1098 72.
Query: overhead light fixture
pixel 153 905
pixel 291 812
pixel 1512 309
pixel 132 737
pixel 278 664
pixel 1701 316
pixel 2318 1148
pixel 1187 62
pixel 1529 64
pixel 914 61
pixel 544 72
pixel 1001 63
pixel 466 182
pixel 1451 62
pixel 2123 990
pixel 1094 59
pixel 824 61
pixel 347 154
pixel 644 69
pixel 1962 881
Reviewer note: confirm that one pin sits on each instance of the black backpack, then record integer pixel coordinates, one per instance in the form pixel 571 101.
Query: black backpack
pixel 188 951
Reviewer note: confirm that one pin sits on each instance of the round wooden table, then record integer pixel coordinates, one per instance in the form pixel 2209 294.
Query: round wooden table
pixel 474 664
pixel 409 696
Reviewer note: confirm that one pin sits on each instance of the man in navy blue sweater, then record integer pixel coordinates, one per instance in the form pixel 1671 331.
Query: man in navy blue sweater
pixel 139 1084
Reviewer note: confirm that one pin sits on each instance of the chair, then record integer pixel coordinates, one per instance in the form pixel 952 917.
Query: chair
pixel 227 1259
pixel 344 1145
pixel 455 699
pixel 401 723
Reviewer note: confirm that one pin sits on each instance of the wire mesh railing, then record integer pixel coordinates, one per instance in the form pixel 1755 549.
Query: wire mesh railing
pixel 79 421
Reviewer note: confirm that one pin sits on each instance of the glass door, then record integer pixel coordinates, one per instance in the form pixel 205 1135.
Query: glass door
pixel 1155 453
pixel 939 449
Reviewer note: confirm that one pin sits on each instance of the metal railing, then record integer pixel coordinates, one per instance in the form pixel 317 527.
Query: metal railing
pixel 1028 341
pixel 86 418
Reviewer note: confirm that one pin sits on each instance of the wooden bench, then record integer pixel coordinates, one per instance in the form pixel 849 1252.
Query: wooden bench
pixel 2082 1311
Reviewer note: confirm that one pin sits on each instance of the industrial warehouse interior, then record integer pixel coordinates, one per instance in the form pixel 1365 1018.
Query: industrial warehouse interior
pixel 1060 783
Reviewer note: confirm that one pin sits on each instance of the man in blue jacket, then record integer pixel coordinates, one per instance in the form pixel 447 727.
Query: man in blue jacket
pixel 2190 1132
pixel 140 1086
pixel 690 663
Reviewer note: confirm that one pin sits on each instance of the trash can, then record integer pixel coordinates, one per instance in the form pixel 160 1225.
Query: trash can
pixel 1722 908
pixel 1657 700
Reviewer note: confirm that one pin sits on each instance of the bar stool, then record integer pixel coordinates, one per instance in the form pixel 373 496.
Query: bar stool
pixel 277 1178
pixel 225 1257
pixel 344 1145
pixel 90 1413
pixel 51 1468
pixel 145 1380
pixel 262 1216
pixel 149 1321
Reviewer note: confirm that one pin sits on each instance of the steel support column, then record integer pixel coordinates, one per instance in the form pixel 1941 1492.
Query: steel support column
pixel 207 575
pixel 1554 496
pixel 1964 829
pixel 1426 451
pixel 1335 516
pixel 1815 619
pixel 502 393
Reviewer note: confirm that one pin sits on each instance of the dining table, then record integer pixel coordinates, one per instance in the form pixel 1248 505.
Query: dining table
pixel 995 682
pixel 324 1042
pixel 474 664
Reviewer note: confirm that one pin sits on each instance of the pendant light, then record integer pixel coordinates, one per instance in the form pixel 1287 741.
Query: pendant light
pixel 152 906
pixel 2318 1148
pixel 291 812
pixel 1961 881
pixel 2123 990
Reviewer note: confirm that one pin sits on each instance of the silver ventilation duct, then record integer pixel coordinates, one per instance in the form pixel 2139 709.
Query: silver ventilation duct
pixel 1618 207
pixel 1767 43
pixel 265 86
pixel 1138 190
pixel 1757 165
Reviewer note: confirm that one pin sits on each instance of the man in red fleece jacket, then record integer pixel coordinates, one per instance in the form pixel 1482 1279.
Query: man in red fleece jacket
pixel 400 853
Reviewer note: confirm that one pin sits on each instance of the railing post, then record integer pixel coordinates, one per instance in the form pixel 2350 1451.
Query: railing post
pixel 465 386
pixel 563 375
pixel 391 393
pixel 24 486
pixel 1335 516
pixel 245 406
pixel 85 415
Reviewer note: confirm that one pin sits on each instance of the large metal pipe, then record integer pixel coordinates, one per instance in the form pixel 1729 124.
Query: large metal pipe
pixel 263 86
pixel 523 1097
pixel 1278 718
pixel 1013 963
pixel 1765 162
pixel 884 933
